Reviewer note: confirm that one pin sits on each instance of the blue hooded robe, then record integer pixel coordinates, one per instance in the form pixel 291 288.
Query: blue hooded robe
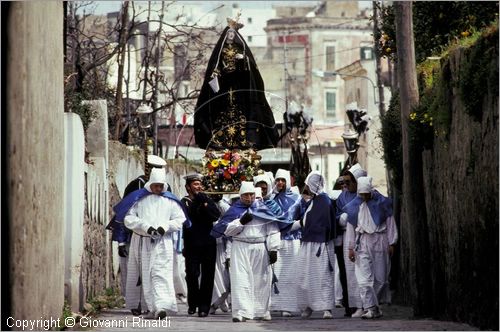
pixel 259 209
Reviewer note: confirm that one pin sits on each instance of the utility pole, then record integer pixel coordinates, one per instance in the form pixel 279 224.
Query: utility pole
pixel 285 60
pixel 414 217
pixel 146 56
pixel 157 78
pixel 123 36
pixel 381 104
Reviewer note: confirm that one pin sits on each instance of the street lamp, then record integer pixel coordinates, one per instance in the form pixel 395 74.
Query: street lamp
pixel 351 144
pixel 322 74
pixel 144 113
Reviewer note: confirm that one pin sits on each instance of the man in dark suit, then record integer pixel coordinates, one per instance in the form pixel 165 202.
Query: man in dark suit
pixel 199 247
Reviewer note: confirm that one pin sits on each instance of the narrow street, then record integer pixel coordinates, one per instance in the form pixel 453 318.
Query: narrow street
pixel 395 318
pixel 335 149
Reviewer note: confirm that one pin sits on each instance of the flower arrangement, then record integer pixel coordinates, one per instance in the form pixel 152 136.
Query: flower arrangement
pixel 224 170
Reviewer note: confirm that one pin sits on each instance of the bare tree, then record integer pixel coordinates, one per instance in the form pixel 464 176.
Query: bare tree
pixel 93 43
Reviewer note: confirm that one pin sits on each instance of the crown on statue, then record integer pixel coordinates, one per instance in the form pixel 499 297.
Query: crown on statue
pixel 234 22
pixel 225 170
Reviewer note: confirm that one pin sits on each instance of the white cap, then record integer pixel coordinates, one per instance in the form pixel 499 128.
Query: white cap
pixel 247 187
pixel 258 192
pixel 365 185
pixel 357 171
pixel 156 161
pixel 157 175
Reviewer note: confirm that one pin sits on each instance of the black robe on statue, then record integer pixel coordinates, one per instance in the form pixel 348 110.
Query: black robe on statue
pixel 238 116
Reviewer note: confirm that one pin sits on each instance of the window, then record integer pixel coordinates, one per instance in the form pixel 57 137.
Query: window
pixel 331 103
pixel 249 38
pixel 249 20
pixel 330 57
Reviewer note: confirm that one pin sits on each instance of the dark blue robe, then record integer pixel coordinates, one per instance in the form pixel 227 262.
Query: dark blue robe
pixel 320 221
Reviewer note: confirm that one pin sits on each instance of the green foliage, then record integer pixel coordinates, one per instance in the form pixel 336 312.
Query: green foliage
pixel 478 75
pixel 390 134
pixel 432 117
pixel 386 34
pixel 436 24
pixel 66 312
pixel 75 93
pixel 479 72
pixel 111 299
pixel 74 104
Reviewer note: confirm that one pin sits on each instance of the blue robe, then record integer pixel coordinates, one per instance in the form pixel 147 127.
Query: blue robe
pixel 121 209
pixel 290 203
pixel 380 208
pixel 344 198
pixel 259 210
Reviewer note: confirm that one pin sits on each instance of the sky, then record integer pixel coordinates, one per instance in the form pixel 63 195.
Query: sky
pixel 103 7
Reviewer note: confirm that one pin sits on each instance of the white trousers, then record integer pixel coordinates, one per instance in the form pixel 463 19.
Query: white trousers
pixel 371 268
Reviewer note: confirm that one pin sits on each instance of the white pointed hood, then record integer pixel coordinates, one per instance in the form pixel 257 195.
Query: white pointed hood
pixel 157 175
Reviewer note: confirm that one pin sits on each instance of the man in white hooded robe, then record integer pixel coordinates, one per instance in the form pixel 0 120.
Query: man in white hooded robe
pixel 254 249
pixel 153 219
pixel 371 231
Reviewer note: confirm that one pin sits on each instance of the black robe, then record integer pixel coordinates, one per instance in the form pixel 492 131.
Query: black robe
pixel 238 116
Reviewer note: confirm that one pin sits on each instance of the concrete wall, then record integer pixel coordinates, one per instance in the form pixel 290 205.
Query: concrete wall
pixel 74 188
pixel 35 150
pixel 96 261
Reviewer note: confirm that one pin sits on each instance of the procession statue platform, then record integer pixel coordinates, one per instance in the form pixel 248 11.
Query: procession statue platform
pixel 224 170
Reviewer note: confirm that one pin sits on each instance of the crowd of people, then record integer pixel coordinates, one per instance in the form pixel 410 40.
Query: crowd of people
pixel 270 249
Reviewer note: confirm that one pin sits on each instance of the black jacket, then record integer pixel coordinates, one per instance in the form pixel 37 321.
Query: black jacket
pixel 202 218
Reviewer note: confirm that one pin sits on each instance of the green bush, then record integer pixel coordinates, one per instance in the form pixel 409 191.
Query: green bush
pixel 390 134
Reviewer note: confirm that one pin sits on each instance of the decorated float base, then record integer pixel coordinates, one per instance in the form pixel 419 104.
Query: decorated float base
pixel 224 170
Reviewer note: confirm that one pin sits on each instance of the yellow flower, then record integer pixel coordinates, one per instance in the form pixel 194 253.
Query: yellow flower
pixel 214 163
pixel 224 162
pixel 465 33
pixel 388 50
pixel 413 116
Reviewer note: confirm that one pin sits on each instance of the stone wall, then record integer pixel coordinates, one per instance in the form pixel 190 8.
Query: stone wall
pixel 33 55
pixel 461 191
pixel 460 175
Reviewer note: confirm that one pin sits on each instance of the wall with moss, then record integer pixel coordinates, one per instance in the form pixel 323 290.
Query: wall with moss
pixel 461 189
pixel 456 131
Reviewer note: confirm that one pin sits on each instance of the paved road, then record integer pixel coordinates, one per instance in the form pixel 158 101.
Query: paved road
pixel 395 318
